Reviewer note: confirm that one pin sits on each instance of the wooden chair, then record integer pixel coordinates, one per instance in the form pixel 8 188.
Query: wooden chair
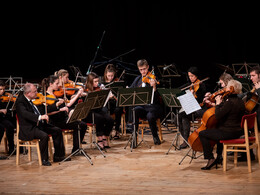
pixel 29 144
pixel 144 124
pixel 243 144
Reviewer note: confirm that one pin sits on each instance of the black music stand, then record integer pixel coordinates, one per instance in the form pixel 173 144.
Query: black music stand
pixel 190 105
pixel 80 112
pixel 169 97
pixel 168 72
pixel 98 99
pixel 134 97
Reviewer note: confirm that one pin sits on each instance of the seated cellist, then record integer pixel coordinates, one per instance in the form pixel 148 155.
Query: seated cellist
pixel 228 112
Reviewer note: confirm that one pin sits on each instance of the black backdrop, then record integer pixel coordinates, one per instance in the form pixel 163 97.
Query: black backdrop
pixel 41 39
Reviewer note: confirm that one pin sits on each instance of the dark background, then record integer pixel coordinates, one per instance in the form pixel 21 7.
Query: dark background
pixel 40 39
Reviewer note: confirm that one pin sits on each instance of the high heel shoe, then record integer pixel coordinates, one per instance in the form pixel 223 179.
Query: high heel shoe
pixel 210 165
pixel 219 160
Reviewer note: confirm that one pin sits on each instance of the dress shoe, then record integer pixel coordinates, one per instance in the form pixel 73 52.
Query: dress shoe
pixel 210 164
pixel 59 159
pixel 46 163
pixel 3 157
pixel 156 141
pixel 183 145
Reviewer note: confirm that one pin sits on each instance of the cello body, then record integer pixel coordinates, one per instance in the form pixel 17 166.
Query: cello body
pixel 208 121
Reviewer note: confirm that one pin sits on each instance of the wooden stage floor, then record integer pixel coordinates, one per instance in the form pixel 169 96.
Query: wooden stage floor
pixel 143 171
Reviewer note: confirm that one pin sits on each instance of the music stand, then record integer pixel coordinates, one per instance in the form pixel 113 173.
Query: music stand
pixel 189 105
pixel 80 112
pixel 98 99
pixel 134 97
pixel 168 72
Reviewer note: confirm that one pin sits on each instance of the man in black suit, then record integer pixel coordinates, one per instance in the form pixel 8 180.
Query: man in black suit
pixel 152 111
pixel 34 125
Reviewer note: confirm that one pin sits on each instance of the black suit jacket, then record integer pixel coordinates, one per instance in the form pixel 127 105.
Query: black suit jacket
pixel 28 120
pixel 138 83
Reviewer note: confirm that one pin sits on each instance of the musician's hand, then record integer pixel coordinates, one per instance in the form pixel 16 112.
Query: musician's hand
pixel 64 109
pixel 80 91
pixel 218 99
pixel 257 85
pixel 207 95
pixel 61 101
pixel 4 111
pixel 45 117
pixel 153 83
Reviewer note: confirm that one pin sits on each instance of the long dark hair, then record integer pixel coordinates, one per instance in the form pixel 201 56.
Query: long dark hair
pixel 89 82
pixel 46 81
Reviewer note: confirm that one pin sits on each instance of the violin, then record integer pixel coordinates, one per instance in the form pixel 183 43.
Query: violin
pixel 195 87
pixel 148 77
pixel 49 99
pixel 68 88
pixel 8 97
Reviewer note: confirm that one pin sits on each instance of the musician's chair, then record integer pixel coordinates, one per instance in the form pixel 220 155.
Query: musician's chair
pixel 243 144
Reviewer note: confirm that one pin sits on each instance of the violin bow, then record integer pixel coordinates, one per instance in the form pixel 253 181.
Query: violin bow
pixel 201 81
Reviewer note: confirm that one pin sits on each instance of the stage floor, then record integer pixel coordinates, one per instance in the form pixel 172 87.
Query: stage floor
pixel 143 171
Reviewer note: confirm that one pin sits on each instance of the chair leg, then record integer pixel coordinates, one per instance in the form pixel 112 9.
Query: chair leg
pixel 39 153
pixel 5 142
pixel 50 145
pixel 159 129
pixel 235 157
pixel 90 135
pixel 30 153
pixel 225 158
pixel 248 159
pixel 17 153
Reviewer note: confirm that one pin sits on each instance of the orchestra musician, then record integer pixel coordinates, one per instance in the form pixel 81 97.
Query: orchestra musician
pixel 198 89
pixel 255 78
pixel 223 81
pixel 6 124
pixel 59 118
pixel 152 111
pixel 104 122
pixel 228 112
pixel 34 124
pixel 110 76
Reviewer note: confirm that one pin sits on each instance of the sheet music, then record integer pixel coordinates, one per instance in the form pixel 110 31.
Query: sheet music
pixel 189 103
pixel 108 97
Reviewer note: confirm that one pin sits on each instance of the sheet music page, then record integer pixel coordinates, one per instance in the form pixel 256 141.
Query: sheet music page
pixel 110 94
pixel 189 103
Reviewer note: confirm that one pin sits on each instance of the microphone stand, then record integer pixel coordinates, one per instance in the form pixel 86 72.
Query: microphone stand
pixel 115 58
pixel 95 56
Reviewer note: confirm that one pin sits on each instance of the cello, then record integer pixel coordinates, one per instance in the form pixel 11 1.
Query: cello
pixel 208 121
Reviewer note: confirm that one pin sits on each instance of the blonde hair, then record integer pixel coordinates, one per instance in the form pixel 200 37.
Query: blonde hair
pixel 61 73
pixel 237 86
pixel 225 77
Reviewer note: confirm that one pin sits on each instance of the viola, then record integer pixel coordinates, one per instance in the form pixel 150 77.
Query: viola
pixel 147 78
pixel 49 99
pixel 208 121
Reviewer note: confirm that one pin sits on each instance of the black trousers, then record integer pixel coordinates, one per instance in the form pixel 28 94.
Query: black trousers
pixel 216 135
pixel 78 125
pixel 184 121
pixel 104 122
pixel 42 133
pixel 6 125
pixel 151 113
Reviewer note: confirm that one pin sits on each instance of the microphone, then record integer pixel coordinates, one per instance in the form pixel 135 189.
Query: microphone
pixel 166 67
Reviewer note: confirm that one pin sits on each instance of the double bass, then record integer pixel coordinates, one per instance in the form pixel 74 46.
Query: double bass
pixel 208 121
